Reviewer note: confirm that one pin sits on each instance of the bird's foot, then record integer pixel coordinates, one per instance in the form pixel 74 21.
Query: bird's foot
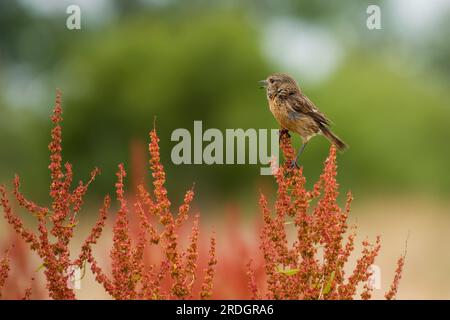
pixel 290 168
pixel 294 165
pixel 283 132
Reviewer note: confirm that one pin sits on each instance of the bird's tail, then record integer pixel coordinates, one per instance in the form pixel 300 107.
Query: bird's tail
pixel 334 139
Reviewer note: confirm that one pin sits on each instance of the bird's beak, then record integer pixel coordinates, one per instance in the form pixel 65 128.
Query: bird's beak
pixel 263 84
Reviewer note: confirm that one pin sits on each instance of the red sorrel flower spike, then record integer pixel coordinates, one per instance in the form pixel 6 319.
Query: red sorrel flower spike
pixel 252 282
pixel 53 248
pixel 159 176
pixel 391 294
pixel 76 198
pixel 192 255
pixel 96 231
pixel 184 208
pixel 56 149
pixel 361 273
pixel 144 229
pixel 174 276
pixel 16 222
pixel 4 269
pixel 100 277
pixel 121 253
pixel 28 205
pixel 313 267
pixel 207 284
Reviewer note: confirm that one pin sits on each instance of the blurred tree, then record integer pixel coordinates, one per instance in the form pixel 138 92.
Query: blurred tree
pixel 13 18
pixel 200 60
pixel 180 69
pixel 437 50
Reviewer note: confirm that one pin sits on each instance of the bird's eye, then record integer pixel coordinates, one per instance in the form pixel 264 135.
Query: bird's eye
pixel 271 80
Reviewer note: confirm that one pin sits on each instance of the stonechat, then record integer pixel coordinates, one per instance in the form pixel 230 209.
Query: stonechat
pixel 295 112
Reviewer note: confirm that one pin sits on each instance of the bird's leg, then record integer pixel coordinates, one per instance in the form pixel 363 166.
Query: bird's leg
pixel 300 151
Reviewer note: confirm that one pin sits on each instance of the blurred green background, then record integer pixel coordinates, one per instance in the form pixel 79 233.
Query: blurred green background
pixel 387 91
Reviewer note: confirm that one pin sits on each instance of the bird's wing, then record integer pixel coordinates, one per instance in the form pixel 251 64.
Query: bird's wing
pixel 298 102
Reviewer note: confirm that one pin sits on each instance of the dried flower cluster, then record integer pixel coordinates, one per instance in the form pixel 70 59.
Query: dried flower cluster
pixel 313 266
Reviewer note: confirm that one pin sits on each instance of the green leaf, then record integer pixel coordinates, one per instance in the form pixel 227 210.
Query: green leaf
pixel 288 272
pixel 40 267
pixel 327 288
pixel 71 225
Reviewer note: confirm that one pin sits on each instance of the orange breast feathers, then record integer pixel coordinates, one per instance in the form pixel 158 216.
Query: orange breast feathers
pixel 292 120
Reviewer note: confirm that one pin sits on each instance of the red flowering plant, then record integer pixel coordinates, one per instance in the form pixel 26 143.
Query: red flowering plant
pixel 313 266
pixel 55 223
pixel 175 274
pixel 130 279
pixel 150 261
pixel 4 269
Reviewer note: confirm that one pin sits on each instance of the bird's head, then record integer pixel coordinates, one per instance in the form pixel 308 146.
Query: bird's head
pixel 277 82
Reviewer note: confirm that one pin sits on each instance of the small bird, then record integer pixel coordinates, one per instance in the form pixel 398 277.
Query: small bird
pixel 295 112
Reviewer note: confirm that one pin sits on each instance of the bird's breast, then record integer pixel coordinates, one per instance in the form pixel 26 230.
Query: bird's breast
pixel 292 120
pixel 281 114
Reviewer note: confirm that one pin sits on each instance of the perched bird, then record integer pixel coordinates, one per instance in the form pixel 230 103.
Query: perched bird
pixel 295 112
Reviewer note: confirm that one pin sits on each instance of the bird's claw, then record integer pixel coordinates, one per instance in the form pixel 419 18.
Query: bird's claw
pixel 283 132
pixel 290 168
pixel 294 165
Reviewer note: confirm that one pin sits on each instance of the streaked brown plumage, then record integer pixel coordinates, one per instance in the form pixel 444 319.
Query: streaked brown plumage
pixel 295 112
